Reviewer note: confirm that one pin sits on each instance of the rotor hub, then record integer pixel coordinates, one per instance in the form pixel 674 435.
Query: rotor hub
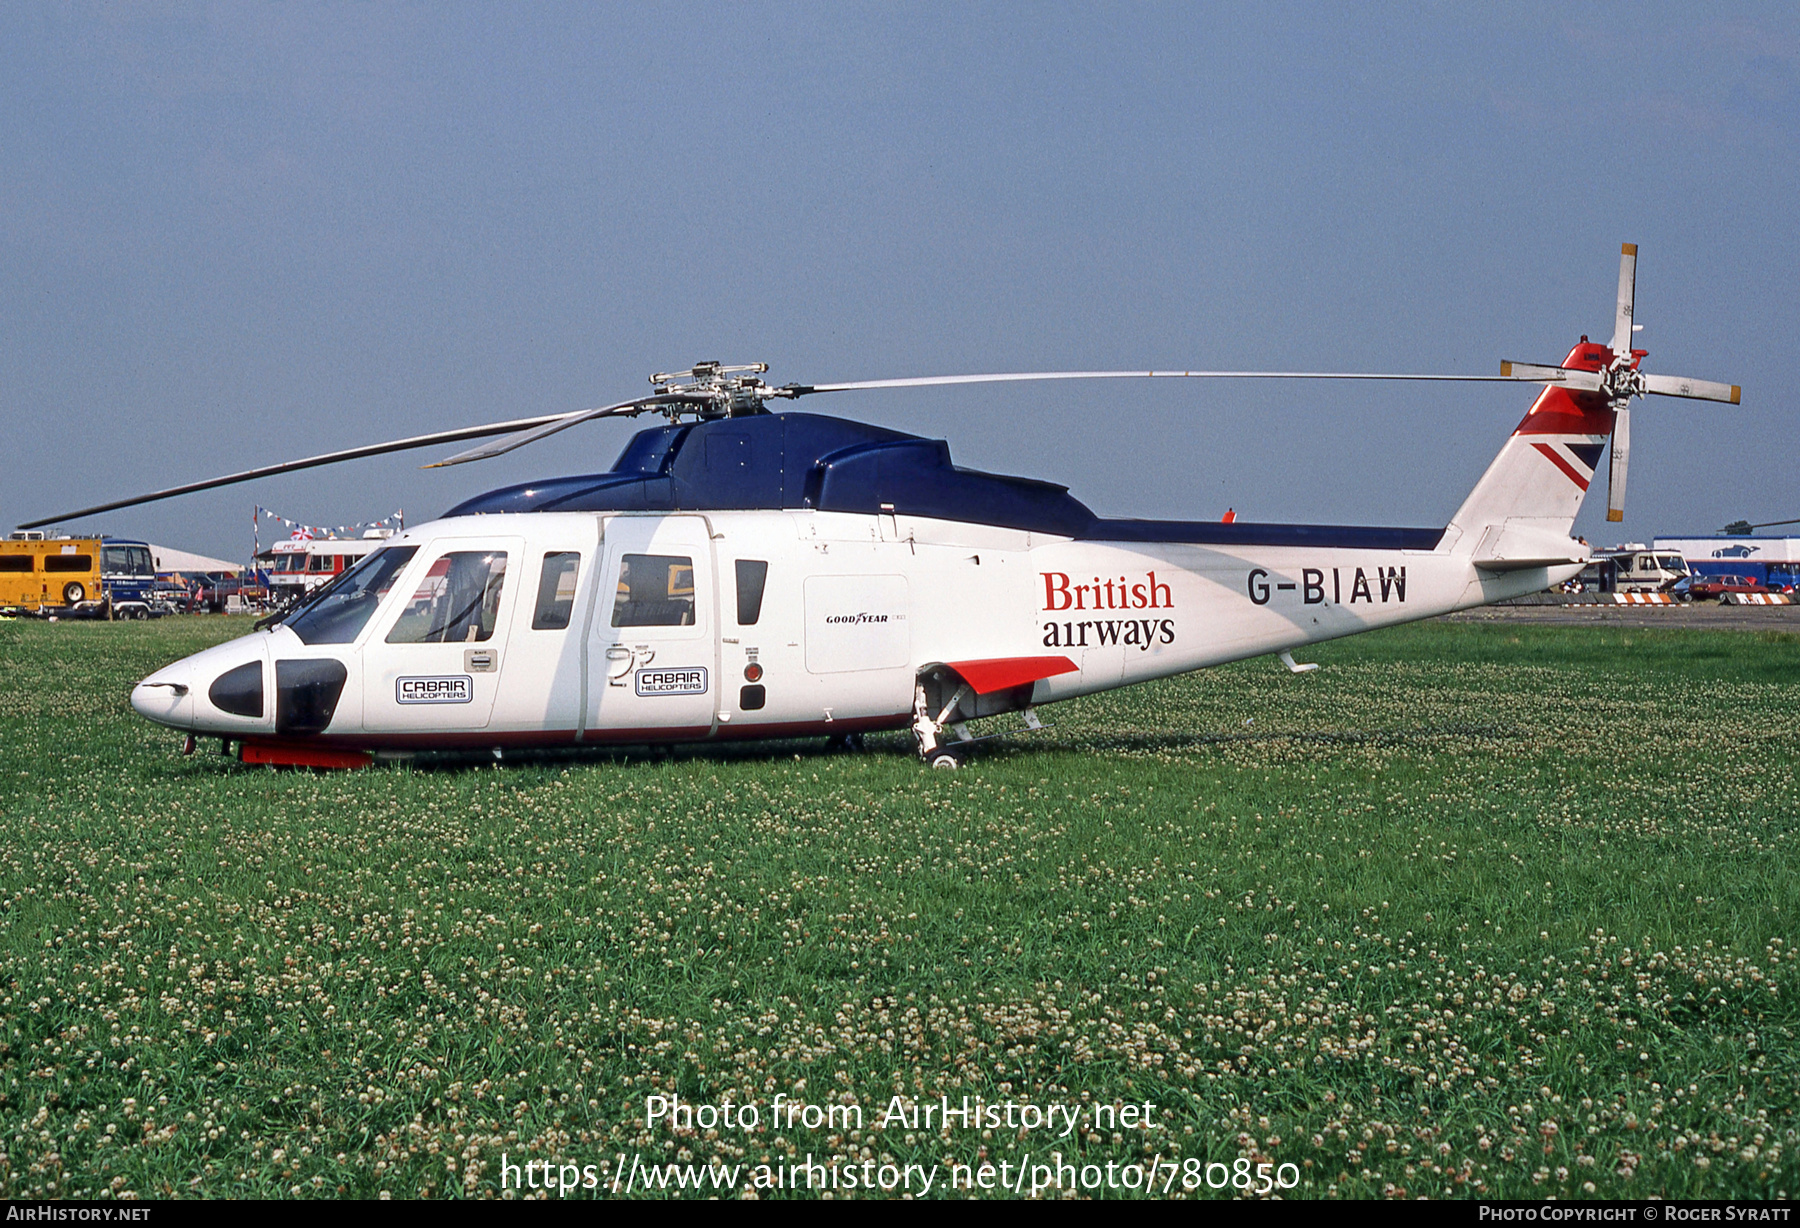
pixel 1622 380
pixel 713 390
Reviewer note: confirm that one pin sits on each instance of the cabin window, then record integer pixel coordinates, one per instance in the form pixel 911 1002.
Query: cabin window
pixel 458 601
pixel 556 591
pixel 68 562
pixel 15 562
pixel 126 560
pixel 337 612
pixel 752 575
pixel 655 590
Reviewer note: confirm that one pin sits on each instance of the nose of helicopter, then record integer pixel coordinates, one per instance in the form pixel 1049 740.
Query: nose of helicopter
pixel 166 696
pixel 220 690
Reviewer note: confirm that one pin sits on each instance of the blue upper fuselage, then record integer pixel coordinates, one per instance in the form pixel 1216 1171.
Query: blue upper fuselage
pixel 794 460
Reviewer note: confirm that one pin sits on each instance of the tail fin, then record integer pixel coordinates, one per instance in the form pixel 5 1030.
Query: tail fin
pixel 1520 513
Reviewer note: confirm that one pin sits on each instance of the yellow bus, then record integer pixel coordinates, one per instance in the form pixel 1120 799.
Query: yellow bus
pixel 54 572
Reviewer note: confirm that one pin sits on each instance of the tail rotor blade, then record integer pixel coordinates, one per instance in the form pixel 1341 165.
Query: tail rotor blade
pixel 1693 389
pixel 1621 456
pixel 1558 377
pixel 1621 342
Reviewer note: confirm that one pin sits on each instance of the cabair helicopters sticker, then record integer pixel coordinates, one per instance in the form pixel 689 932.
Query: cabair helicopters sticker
pixel 749 574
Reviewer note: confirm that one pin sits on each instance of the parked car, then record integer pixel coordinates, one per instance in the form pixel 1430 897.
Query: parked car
pixel 1713 588
pixel 169 597
pixel 212 594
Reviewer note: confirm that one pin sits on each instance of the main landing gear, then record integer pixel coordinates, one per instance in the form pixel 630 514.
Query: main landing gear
pixel 943 704
pixel 928 728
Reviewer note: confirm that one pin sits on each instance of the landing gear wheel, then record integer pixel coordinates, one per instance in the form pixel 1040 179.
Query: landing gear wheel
pixel 945 759
pixel 844 744
pixel 73 592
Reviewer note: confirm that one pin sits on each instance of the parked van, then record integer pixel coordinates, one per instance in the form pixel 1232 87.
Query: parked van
pixel 90 575
pixel 1631 569
pixel 1638 569
pixel 53 572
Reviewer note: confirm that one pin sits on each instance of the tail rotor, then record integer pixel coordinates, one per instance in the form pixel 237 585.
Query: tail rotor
pixel 1621 381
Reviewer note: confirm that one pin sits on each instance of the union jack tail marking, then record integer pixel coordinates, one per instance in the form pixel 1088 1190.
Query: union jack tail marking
pixel 1577 460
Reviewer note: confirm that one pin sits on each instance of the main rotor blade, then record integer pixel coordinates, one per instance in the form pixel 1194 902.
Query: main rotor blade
pixel 310 462
pixel 1621 342
pixel 927 381
pixel 1693 389
pixel 1621 456
pixel 1560 377
pixel 562 423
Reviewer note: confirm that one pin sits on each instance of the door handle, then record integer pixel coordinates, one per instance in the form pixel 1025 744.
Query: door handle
pixel 620 658
pixel 618 664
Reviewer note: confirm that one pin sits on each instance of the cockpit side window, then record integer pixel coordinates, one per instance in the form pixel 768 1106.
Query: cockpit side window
pixel 457 601
pixel 338 611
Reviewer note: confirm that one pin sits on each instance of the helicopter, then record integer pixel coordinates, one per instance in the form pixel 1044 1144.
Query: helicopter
pixel 741 573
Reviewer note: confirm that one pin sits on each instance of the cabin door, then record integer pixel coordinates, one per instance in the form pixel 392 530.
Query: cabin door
pixel 545 682
pixel 653 649
pixel 433 664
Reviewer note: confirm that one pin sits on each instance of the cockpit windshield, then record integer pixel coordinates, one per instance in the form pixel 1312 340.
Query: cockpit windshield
pixel 338 611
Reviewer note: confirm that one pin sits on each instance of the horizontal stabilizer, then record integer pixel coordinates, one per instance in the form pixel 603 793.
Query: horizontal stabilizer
pixel 1522 564
pixel 1515 547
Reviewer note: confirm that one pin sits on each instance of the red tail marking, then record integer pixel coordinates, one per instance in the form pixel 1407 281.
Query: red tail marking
pixel 1558 411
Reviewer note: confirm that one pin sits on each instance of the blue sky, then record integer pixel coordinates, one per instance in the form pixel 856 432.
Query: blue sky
pixel 237 234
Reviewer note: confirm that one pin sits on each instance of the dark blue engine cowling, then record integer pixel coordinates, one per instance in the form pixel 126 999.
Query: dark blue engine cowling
pixel 792 460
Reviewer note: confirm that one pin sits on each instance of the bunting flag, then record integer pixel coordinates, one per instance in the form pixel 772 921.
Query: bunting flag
pixel 308 532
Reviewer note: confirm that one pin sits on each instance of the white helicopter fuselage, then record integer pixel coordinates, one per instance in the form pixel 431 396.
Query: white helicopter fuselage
pixel 761 575
pixel 779 623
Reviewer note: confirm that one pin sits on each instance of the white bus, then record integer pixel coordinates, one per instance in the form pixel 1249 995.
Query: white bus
pixel 298 567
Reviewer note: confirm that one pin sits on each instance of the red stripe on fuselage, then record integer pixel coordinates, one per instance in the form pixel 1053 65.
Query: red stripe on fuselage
pixel 1557 460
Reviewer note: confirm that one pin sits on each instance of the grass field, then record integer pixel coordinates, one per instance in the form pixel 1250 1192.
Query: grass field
pixel 1489 910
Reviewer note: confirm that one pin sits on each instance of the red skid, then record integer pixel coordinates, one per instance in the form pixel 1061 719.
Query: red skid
pixel 301 754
